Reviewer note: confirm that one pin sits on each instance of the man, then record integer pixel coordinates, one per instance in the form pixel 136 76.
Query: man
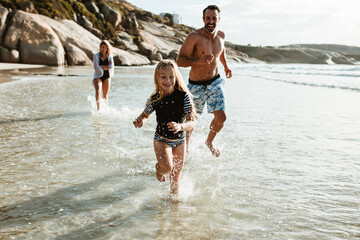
pixel 202 51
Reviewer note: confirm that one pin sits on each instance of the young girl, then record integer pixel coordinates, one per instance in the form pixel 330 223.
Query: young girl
pixel 175 114
pixel 104 69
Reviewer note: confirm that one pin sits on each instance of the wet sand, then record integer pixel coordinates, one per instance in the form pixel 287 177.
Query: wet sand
pixel 9 71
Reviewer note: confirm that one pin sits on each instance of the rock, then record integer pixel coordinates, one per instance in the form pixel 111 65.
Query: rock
pixel 124 58
pixel 133 21
pixel 96 32
pixel 111 15
pixel 83 21
pixel 156 57
pixel 125 45
pixel 125 36
pixel 9 56
pixel 173 54
pixel 100 16
pixel 39 43
pixel 27 7
pixel 3 15
pixel 160 36
pixel 147 49
pixel 91 6
pixel 75 56
pixel 164 55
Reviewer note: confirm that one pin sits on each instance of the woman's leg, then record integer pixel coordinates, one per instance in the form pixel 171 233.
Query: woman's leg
pixel 97 84
pixel 106 88
pixel 178 161
pixel 164 157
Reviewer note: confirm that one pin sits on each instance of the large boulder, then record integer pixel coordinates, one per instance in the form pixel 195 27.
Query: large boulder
pixel 147 49
pixel 125 58
pixel 34 38
pixel 160 36
pixel 111 15
pixel 3 15
pixel 75 56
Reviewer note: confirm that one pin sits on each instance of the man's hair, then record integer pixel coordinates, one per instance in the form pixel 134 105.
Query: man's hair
pixel 211 7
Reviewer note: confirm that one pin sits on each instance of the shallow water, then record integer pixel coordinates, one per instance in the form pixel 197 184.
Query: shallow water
pixel 289 167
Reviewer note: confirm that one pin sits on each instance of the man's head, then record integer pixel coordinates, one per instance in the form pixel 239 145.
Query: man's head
pixel 211 16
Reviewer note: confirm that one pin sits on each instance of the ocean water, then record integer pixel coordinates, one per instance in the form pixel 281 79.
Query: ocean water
pixel 289 165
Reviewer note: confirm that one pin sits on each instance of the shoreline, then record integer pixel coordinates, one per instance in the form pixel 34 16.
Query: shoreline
pixel 9 70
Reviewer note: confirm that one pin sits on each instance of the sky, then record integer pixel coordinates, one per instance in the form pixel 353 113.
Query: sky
pixel 272 22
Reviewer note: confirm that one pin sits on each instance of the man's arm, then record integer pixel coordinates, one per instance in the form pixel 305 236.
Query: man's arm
pixel 223 62
pixel 186 59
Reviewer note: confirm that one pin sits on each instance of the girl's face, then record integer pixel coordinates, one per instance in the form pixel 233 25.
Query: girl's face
pixel 103 49
pixel 167 79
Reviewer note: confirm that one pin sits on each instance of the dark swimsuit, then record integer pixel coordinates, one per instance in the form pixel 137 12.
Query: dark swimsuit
pixel 106 72
pixel 171 108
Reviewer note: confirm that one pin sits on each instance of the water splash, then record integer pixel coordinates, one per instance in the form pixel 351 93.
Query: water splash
pixel 104 109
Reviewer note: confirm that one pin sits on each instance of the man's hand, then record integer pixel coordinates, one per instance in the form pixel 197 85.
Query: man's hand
pixel 206 59
pixel 228 72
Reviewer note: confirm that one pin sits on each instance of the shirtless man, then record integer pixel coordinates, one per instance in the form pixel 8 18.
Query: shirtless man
pixel 202 51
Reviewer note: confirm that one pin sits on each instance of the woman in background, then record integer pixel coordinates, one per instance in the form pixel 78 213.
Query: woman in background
pixel 103 63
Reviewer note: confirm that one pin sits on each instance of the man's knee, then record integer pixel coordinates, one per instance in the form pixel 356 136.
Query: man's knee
pixel 220 116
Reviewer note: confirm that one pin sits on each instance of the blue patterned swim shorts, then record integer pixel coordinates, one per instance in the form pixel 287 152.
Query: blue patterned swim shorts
pixel 212 94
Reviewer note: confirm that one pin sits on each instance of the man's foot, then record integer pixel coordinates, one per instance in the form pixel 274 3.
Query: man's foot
pixel 159 175
pixel 213 149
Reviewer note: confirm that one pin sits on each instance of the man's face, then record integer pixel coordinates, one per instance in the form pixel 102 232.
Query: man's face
pixel 211 18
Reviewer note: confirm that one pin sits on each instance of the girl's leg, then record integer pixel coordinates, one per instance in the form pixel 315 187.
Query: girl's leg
pixel 178 160
pixel 97 84
pixel 106 88
pixel 164 157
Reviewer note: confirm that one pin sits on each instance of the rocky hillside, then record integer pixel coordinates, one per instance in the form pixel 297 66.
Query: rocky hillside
pixel 68 32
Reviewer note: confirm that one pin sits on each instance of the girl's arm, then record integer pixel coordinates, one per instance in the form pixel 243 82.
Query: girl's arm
pixel 188 125
pixel 139 121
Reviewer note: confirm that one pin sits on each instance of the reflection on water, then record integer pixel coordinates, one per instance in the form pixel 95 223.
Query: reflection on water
pixel 289 167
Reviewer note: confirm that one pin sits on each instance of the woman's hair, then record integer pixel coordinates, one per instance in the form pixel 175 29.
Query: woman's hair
pixel 180 85
pixel 105 42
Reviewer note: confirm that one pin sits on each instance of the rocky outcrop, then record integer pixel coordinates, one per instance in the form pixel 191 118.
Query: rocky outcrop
pixel 111 15
pixel 141 38
pixel 42 40
pixel 293 55
pixel 35 40
pixel 347 51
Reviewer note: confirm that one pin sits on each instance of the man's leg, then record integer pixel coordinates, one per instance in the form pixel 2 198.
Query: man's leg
pixel 216 125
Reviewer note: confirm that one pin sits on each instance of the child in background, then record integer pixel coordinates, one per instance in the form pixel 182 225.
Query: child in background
pixel 175 114
pixel 104 69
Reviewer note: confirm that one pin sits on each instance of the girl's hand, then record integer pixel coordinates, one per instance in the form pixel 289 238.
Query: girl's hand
pixel 138 123
pixel 174 127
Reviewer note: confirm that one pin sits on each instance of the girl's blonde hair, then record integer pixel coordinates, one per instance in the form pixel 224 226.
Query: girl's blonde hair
pixel 105 42
pixel 180 85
